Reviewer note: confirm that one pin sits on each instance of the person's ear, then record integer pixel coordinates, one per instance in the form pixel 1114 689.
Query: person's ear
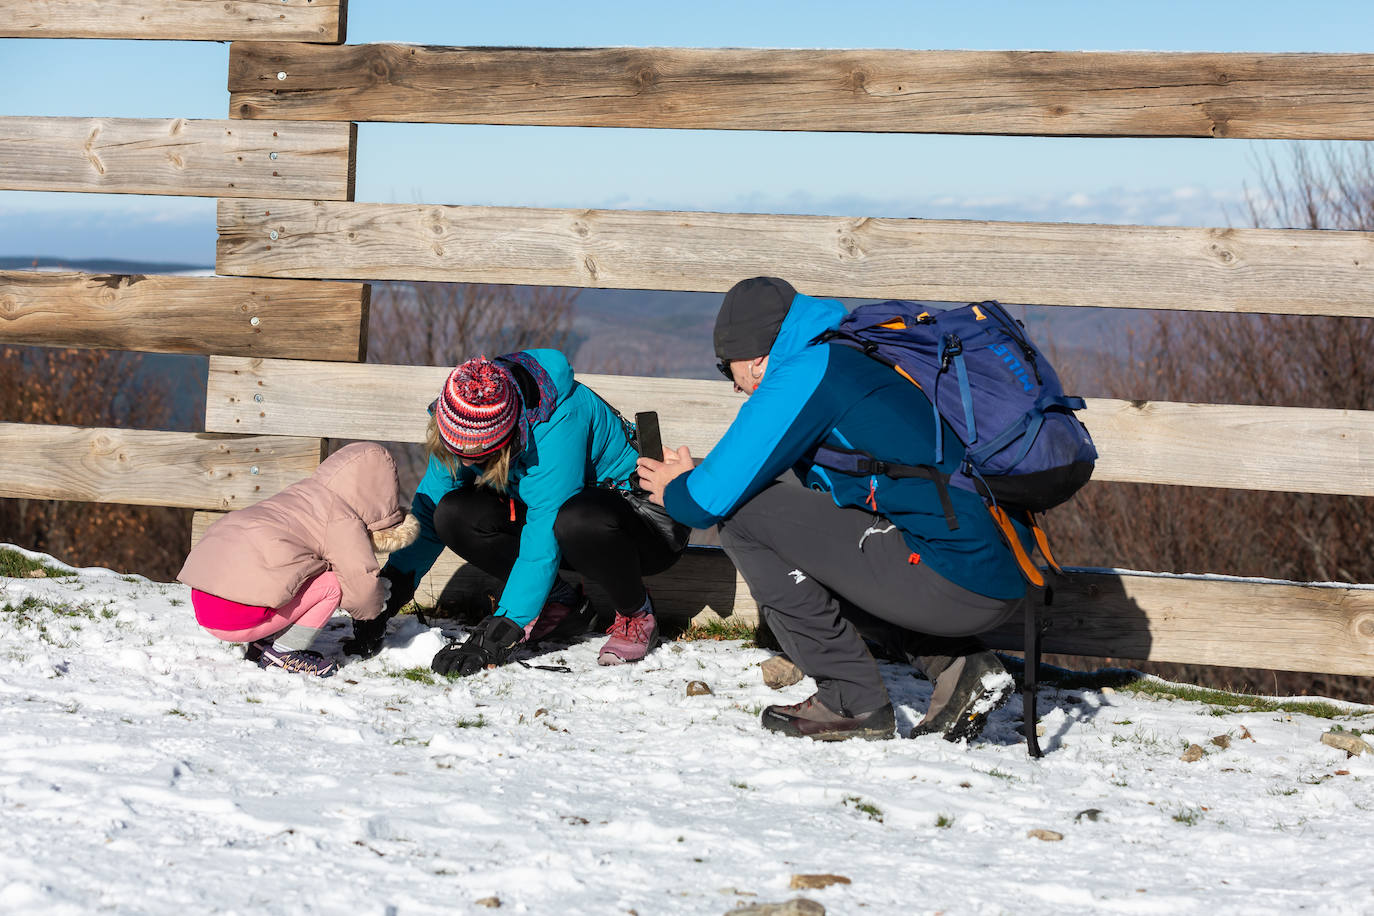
pixel 756 368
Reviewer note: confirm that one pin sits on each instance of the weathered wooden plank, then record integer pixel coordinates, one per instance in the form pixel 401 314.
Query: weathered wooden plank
pixel 1208 621
pixel 388 403
pixel 1185 619
pixel 296 319
pixel 197 158
pixel 1301 450
pixel 147 468
pixel 203 20
pixel 1241 270
pixel 1046 93
pixel 1287 449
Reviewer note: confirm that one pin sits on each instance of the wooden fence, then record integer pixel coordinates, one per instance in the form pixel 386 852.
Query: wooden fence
pixel 285 321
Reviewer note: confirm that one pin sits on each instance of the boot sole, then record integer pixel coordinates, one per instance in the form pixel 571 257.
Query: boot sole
pixel 865 734
pixel 970 725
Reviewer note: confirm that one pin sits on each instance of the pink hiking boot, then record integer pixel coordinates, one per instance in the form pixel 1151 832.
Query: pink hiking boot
pixel 632 638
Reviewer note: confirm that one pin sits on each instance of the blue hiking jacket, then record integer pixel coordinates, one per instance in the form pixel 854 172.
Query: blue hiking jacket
pixel 572 439
pixel 832 394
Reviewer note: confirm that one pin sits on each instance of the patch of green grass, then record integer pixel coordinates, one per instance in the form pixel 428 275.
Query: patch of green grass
pixel 418 675
pixel 944 820
pixel 1188 816
pixel 478 722
pixel 1223 703
pixel 740 785
pixel 16 565
pixel 858 804
pixel 33 612
pixel 720 630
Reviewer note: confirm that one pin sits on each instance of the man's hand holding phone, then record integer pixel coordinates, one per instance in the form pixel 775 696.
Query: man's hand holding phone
pixel 657 465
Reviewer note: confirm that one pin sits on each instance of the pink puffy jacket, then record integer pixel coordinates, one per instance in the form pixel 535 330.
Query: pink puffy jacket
pixel 263 554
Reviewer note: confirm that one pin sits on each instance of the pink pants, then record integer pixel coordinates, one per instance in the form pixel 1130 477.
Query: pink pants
pixel 310 607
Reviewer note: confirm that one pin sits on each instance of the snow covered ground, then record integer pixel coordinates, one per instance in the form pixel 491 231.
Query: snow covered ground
pixel 146 768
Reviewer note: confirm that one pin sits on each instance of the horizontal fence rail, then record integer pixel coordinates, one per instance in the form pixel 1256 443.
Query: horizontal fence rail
pixel 389 403
pixel 1042 93
pixel 1207 621
pixel 1229 270
pixel 1207 445
pixel 295 319
pixel 177 156
pixel 203 20
pixel 148 468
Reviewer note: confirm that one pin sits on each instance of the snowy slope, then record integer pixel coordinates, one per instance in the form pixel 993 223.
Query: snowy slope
pixel 146 768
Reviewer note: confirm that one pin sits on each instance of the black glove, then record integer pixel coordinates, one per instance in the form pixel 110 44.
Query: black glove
pixel 489 643
pixel 366 640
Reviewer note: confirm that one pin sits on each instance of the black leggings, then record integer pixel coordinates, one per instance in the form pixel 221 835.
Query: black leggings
pixel 599 533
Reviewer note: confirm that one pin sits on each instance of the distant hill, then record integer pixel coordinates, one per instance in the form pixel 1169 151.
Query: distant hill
pixel 100 265
pixel 668 333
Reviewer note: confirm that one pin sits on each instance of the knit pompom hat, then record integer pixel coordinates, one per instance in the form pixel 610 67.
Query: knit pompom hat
pixel 478 408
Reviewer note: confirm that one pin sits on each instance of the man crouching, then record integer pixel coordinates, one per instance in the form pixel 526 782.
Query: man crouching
pixel 877 542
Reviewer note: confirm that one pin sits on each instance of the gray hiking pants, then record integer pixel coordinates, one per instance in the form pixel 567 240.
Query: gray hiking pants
pixel 800 554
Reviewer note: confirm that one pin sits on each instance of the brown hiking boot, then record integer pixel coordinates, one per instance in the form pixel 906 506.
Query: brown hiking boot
pixel 812 719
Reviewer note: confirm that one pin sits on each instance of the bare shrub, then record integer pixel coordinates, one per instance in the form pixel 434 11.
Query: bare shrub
pixel 1279 360
pixel 90 388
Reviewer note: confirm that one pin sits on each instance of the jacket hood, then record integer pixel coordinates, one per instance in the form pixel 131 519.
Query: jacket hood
pixel 806 318
pixel 363 476
pixel 552 374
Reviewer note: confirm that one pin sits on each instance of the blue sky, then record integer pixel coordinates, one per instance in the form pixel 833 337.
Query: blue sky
pixel 1188 182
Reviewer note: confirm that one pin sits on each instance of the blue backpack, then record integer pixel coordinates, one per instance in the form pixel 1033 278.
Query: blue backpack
pixel 1024 447
pixel 1025 450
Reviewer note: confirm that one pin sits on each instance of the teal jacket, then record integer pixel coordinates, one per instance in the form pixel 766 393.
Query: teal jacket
pixel 572 439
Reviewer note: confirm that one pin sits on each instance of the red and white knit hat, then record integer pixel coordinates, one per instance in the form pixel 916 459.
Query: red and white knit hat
pixel 477 409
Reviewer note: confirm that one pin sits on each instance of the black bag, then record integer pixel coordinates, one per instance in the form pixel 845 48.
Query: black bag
pixel 673 532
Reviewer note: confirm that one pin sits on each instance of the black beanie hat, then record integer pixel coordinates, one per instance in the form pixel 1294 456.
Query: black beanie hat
pixel 750 316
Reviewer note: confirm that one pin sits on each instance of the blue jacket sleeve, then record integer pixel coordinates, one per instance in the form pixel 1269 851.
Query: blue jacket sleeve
pixel 419 557
pixel 774 428
pixel 555 476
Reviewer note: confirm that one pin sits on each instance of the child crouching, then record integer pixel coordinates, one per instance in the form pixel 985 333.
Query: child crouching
pixel 271 574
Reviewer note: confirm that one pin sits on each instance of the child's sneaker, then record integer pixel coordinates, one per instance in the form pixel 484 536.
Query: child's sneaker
pixel 304 661
pixel 632 638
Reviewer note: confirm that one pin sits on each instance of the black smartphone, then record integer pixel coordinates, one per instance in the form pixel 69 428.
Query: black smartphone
pixel 646 432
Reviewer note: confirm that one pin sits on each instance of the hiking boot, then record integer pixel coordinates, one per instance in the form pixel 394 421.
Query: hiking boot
pixel 304 661
pixel 813 719
pixel 561 622
pixel 969 690
pixel 632 638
